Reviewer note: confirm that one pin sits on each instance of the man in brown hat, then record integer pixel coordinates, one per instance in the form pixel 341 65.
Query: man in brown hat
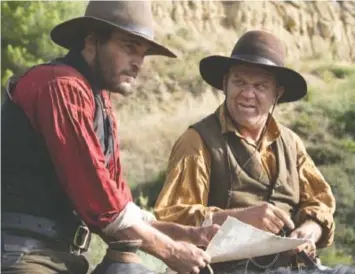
pixel 60 155
pixel 240 162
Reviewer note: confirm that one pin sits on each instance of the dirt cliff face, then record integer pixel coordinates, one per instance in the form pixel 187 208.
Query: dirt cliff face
pixel 170 93
pixel 308 29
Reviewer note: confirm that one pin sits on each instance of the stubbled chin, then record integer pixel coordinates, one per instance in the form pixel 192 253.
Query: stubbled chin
pixel 247 117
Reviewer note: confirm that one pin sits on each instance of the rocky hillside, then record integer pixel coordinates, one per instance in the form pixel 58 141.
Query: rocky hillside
pixel 308 29
pixel 315 34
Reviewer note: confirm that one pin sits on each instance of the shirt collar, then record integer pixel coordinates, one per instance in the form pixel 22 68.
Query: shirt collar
pixel 227 125
pixel 77 61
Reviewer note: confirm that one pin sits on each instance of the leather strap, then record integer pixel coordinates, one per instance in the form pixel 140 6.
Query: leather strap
pixel 123 257
pixel 131 246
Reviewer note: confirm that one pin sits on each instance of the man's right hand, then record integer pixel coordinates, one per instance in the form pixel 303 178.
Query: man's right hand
pixel 187 258
pixel 266 217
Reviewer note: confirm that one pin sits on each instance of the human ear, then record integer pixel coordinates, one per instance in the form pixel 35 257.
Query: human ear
pixel 279 92
pixel 224 84
pixel 90 43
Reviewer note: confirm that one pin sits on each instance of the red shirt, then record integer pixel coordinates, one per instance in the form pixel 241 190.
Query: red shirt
pixel 60 104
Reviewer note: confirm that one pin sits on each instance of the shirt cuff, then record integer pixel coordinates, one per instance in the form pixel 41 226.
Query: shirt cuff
pixel 148 216
pixel 324 220
pixel 208 219
pixel 130 215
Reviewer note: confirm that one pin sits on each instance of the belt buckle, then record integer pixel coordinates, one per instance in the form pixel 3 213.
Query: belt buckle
pixel 81 237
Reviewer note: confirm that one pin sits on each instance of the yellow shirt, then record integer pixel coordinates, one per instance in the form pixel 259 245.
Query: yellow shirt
pixel 184 196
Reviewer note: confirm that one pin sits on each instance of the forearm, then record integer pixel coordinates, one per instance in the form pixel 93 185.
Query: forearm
pixel 220 216
pixel 176 231
pixel 185 214
pixel 154 242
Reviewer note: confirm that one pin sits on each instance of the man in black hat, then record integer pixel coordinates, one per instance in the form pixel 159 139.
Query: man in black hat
pixel 61 171
pixel 240 162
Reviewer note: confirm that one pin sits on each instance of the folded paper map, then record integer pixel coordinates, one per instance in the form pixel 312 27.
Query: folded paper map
pixel 237 240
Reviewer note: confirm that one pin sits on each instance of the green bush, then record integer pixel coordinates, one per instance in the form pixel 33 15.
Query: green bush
pixel 146 194
pixel 333 256
pixel 25 28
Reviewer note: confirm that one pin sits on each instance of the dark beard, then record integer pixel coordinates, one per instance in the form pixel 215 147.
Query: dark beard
pixel 107 82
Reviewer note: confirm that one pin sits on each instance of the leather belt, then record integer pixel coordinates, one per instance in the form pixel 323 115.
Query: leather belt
pixel 16 243
pixel 77 236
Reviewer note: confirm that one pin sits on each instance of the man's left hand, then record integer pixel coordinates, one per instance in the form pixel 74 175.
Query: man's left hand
pixel 308 230
pixel 202 235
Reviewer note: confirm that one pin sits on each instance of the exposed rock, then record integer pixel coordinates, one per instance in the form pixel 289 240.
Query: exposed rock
pixel 308 29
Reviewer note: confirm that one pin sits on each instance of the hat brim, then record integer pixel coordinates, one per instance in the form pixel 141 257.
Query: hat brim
pixel 69 33
pixel 213 68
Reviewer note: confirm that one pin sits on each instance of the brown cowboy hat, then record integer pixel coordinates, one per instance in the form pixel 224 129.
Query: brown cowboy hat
pixel 133 17
pixel 261 48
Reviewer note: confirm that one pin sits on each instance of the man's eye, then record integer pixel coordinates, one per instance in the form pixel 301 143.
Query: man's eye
pixel 261 87
pixel 239 82
pixel 130 48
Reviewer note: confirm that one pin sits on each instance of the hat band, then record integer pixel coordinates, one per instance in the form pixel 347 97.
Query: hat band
pixel 254 59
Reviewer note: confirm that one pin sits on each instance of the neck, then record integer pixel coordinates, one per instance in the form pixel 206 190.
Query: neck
pixel 251 134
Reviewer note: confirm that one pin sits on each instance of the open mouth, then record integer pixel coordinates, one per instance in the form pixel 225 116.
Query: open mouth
pixel 247 107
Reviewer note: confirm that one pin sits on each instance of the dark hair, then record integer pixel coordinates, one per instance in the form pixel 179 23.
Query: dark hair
pixel 102 36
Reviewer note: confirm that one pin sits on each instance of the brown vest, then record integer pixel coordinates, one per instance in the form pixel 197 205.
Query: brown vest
pixel 234 187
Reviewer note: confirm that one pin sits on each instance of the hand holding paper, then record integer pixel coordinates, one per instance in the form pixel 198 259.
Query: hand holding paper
pixel 237 240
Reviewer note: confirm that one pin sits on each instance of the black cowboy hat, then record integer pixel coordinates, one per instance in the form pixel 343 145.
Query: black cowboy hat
pixel 260 48
pixel 133 17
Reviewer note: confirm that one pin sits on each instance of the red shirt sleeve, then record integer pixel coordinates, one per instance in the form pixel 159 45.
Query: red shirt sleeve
pixel 61 107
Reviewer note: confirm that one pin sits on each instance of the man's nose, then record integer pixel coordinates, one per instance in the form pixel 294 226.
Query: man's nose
pixel 248 90
pixel 137 62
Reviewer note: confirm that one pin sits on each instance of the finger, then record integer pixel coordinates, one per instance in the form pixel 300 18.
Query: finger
pixel 214 229
pixel 277 223
pixel 307 247
pixel 311 247
pixel 271 227
pixel 201 263
pixel 301 247
pixel 312 254
pixel 284 218
pixel 195 270
pixel 205 234
pixel 203 239
pixel 206 257
pixel 294 234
